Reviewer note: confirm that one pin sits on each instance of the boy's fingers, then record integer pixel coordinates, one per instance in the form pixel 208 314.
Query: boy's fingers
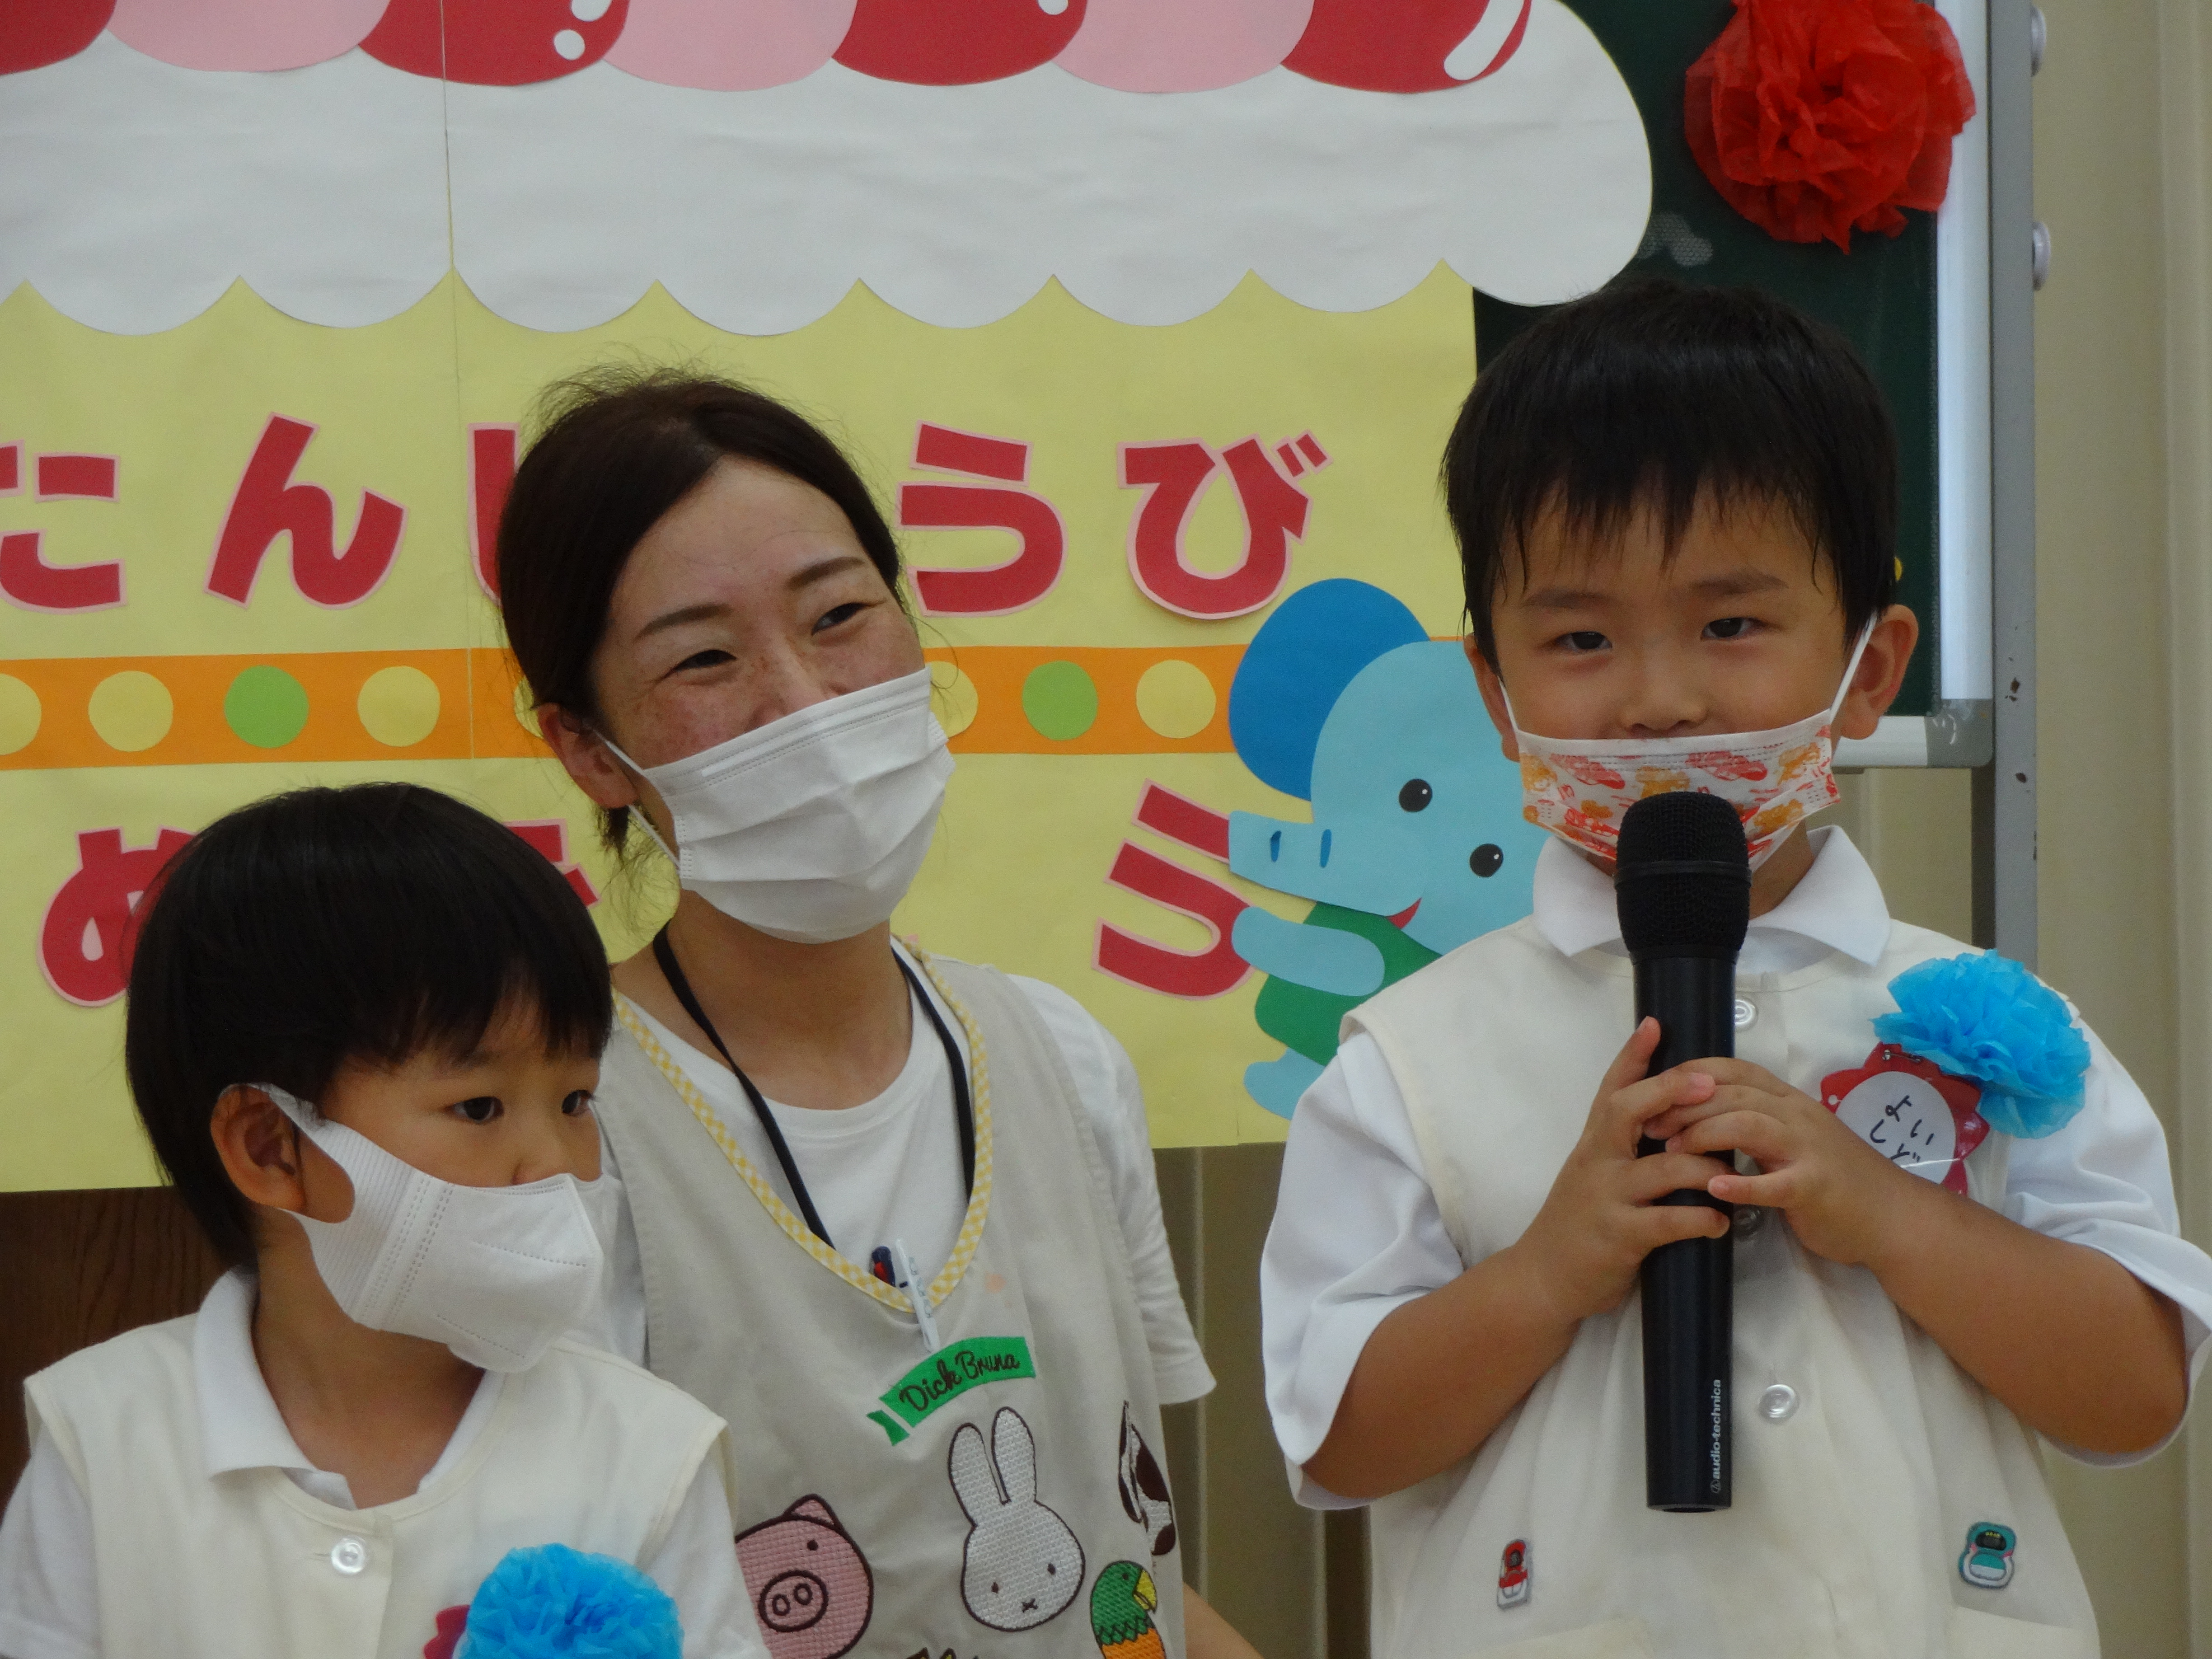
pixel 1664 1224
pixel 1773 1190
pixel 1662 1173
pixel 1633 1059
pixel 1632 1107
pixel 1765 1138
pixel 1738 1074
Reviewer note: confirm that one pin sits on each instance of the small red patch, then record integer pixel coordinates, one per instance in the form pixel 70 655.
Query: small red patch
pixel 452 1623
pixel 1405 914
pixel 1910 1111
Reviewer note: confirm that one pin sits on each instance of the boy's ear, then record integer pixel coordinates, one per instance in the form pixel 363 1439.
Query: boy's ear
pixel 1493 696
pixel 1881 672
pixel 259 1148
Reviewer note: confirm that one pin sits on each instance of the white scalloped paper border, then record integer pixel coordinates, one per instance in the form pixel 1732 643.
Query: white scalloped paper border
pixel 341 192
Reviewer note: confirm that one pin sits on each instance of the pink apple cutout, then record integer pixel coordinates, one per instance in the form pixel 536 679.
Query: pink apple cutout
pixel 244 34
pixel 1182 45
pixel 730 46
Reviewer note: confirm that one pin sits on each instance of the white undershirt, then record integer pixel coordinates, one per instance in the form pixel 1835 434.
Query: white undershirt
pixel 890 1168
pixel 1357 1233
pixel 49 1587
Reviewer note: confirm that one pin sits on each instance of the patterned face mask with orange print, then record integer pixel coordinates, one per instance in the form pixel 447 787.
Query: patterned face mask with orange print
pixel 1775 780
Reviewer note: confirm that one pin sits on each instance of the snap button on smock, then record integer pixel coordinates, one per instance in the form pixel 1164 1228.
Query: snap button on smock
pixel 1747 1011
pixel 1778 1404
pixel 350 1556
pixel 1748 1220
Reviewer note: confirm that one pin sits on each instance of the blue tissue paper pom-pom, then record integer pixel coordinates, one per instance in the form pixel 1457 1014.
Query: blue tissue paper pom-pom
pixel 553 1601
pixel 1984 1017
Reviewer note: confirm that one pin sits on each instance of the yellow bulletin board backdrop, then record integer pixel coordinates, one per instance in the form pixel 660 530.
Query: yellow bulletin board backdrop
pixel 116 718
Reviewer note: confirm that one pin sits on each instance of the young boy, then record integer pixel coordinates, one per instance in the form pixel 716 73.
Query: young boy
pixel 1676 512
pixel 363 1032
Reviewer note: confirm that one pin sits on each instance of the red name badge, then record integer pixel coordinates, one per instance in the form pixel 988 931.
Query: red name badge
pixel 1914 1113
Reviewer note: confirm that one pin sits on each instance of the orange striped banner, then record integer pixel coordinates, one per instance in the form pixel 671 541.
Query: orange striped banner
pixel 460 704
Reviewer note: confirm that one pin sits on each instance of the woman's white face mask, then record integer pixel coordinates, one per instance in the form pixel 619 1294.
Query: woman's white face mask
pixel 810 828
pixel 497 1274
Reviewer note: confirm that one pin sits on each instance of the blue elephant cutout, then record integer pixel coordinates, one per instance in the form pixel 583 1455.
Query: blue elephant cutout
pixel 1417 842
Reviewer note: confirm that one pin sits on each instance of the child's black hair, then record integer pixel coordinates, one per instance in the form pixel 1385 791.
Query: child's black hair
pixel 1653 393
pixel 368 924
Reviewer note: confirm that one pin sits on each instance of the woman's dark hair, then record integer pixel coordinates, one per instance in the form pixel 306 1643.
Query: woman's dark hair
pixel 617 448
pixel 367 924
pixel 1654 392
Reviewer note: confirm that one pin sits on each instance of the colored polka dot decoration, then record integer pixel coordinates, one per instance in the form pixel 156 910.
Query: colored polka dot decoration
pixel 265 706
pixel 1060 699
pixel 952 698
pixel 398 705
pixel 1175 699
pixel 20 713
pixel 131 711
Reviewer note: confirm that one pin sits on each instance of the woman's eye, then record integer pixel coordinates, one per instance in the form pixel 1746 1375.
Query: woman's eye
pixel 1728 627
pixel 838 614
pixel 481 1109
pixel 710 658
pixel 1584 639
pixel 578 1103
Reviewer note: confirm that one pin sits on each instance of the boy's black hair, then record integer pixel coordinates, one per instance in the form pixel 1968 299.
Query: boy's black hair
pixel 367 924
pixel 1651 392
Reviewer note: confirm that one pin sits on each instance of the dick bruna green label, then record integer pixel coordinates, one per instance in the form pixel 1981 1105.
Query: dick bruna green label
pixel 946 1375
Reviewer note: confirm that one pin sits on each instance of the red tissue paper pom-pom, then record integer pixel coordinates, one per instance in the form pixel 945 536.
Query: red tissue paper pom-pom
pixel 1815 117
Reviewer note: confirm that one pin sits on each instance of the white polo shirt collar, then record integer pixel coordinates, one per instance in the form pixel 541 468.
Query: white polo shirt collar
pixel 1837 906
pixel 240 1427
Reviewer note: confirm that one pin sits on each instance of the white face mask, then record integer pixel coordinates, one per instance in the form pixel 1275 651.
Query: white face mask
pixel 811 828
pixel 494 1272
pixel 1775 780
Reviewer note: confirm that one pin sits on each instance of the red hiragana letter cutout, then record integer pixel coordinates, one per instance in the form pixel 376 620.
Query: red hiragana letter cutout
pixel 11 469
pixel 550 838
pixel 1181 819
pixel 269 505
pixel 1191 973
pixel 491 475
pixel 997 589
pixel 76 477
pixel 84 941
pixel 1174 475
pixel 26 580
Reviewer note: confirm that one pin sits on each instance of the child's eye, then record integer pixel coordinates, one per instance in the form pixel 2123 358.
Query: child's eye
pixel 1728 627
pixel 483 1109
pixel 837 614
pixel 1584 639
pixel 578 1103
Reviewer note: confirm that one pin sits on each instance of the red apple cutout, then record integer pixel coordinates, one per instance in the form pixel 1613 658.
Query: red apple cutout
pixel 955 43
pixel 38 33
pixel 1425 46
pixel 496 43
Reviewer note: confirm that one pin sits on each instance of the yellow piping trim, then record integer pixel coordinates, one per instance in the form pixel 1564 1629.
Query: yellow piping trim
pixel 978 1204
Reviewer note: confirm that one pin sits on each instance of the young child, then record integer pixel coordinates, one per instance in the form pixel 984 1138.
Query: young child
pixel 1676 512
pixel 364 1031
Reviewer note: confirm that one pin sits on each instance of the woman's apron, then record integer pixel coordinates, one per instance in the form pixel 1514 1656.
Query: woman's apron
pixel 1002 1496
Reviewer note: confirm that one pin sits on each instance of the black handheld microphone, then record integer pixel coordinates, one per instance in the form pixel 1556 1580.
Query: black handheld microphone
pixel 1682 881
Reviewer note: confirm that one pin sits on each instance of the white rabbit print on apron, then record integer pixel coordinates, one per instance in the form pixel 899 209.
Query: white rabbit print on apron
pixel 1022 1565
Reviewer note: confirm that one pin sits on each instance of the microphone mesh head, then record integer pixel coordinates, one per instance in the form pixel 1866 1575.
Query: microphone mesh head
pixel 1666 912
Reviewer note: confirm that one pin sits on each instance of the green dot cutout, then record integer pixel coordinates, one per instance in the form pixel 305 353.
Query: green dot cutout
pixel 1060 700
pixel 266 707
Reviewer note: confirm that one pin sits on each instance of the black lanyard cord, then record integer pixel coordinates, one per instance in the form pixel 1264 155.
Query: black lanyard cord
pixel 964 1108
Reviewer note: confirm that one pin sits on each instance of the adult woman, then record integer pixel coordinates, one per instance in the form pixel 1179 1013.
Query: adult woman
pixel 805 1116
